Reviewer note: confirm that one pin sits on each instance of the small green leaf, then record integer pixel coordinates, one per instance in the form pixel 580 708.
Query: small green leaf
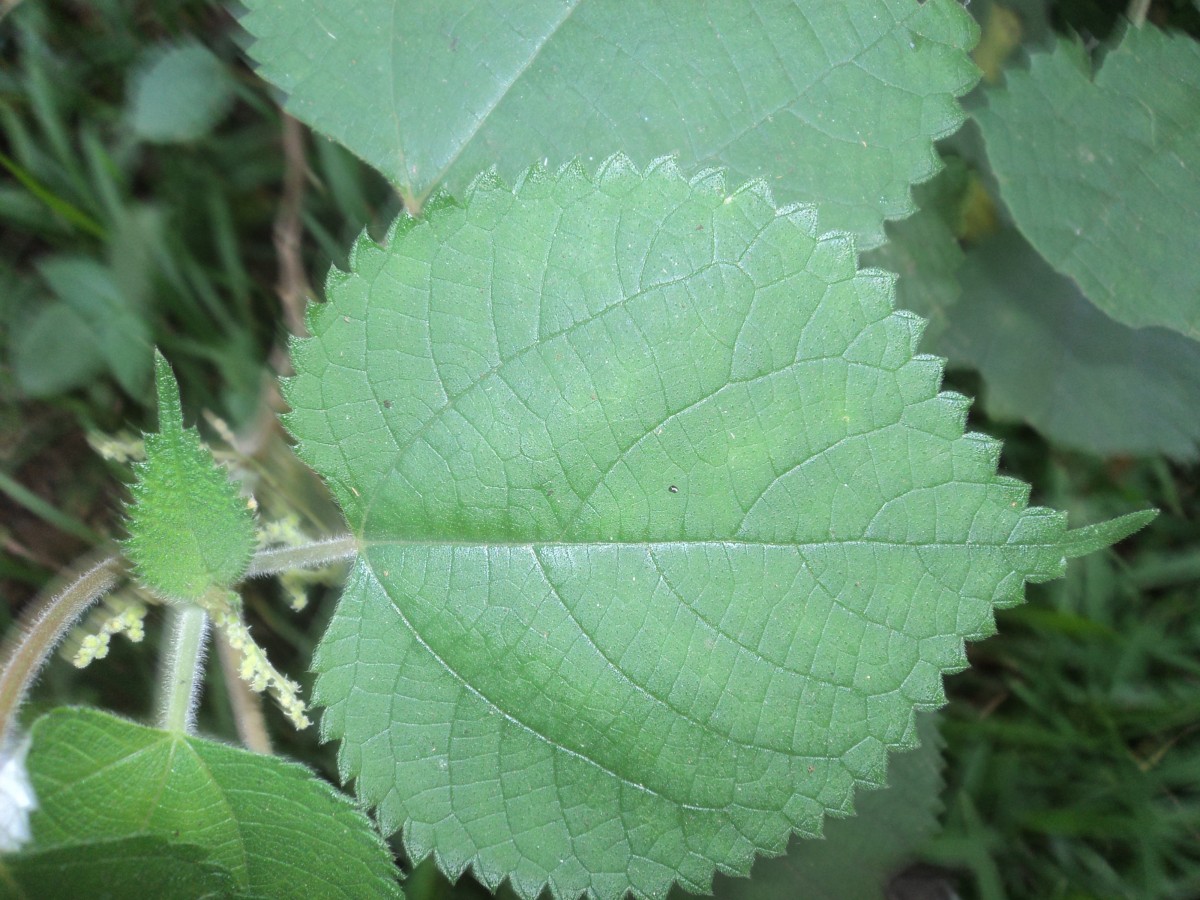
pixel 179 94
pixel 836 103
pixel 1102 171
pixel 140 866
pixel 280 830
pixel 189 531
pixel 666 529
pixel 1050 358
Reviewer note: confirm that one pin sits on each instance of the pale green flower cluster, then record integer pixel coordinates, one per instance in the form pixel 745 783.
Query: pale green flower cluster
pixel 128 620
pixel 255 669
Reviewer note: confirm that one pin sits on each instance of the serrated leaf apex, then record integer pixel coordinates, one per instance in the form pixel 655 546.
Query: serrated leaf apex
pixel 170 407
pixel 189 530
pixel 615 167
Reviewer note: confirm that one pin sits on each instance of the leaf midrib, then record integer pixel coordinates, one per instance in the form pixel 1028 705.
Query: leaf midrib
pixel 365 543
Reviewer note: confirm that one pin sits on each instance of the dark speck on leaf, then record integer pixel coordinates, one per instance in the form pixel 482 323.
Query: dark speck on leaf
pixel 673 489
pixel 387 404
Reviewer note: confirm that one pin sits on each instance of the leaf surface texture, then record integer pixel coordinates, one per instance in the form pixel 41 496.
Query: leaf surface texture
pixel 138 866
pixel 861 854
pixel 189 531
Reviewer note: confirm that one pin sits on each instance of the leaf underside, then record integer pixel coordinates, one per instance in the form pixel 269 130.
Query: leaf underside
pixel 1102 173
pixel 833 102
pixel 666 530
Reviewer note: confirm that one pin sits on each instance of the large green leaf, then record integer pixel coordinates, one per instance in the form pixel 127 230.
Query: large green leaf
pixel 1050 358
pixel 665 530
pixel 1102 172
pixel 279 830
pixel 830 102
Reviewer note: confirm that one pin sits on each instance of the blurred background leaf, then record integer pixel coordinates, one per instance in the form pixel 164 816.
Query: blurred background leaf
pixel 1082 379
pixel 178 94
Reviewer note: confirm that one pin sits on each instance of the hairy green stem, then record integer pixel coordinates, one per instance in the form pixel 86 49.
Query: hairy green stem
pixel 309 556
pixel 182 668
pixel 1136 13
pixel 29 644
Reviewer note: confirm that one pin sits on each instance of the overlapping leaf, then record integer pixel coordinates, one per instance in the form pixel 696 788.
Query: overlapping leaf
pixel 275 827
pixel 924 251
pixel 831 102
pixel 1052 359
pixel 666 531
pixel 1102 171
pixel 93 325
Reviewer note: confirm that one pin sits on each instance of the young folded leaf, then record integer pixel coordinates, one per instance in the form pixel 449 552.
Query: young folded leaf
pixel 189 530
pixel 666 529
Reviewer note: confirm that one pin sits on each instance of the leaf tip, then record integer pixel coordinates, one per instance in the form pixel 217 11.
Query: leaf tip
pixel 531 176
pixel 667 166
pixel 363 246
pixel 1090 538
pixel 170 408
pixel 572 171
pixel 757 190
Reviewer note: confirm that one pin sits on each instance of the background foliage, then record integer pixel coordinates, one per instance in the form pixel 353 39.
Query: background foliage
pixel 1070 742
